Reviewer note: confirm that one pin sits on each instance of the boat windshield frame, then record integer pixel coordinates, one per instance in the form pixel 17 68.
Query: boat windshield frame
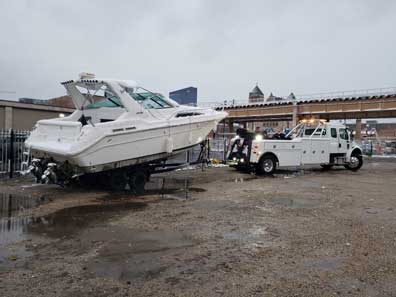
pixel 148 99
pixel 85 95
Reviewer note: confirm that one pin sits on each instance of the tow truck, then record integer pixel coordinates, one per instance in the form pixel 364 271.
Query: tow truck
pixel 311 142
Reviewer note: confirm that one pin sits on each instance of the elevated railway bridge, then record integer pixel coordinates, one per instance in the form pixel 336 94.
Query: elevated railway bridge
pixel 360 106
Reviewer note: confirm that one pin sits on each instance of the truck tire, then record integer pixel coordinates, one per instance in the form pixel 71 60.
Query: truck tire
pixel 326 166
pixel 267 165
pixel 356 162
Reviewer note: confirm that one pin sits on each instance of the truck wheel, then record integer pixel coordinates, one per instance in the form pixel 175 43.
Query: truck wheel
pixel 137 181
pixel 267 165
pixel 117 181
pixel 326 166
pixel 355 163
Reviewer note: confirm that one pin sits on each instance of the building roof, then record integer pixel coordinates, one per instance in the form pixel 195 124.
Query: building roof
pixel 62 101
pixel 256 91
pixel 273 98
pixel 16 104
pixel 184 89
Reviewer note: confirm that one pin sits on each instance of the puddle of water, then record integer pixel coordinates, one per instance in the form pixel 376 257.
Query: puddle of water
pixel 171 187
pixel 14 218
pixel 61 224
pixel 295 202
pixel 330 263
pixel 69 221
pixel 12 204
pixel 133 255
pixel 15 215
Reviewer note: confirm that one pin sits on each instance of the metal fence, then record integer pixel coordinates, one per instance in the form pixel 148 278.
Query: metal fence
pixel 217 150
pixel 379 147
pixel 11 151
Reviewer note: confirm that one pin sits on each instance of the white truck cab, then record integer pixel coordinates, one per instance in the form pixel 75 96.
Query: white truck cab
pixel 314 142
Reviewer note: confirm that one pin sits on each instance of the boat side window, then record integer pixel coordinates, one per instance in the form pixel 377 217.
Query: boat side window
pixel 334 132
pixel 187 114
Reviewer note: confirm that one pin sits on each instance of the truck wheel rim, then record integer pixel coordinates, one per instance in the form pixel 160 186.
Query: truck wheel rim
pixel 268 165
pixel 354 161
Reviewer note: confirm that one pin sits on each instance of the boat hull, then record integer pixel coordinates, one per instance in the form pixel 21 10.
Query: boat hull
pixel 126 148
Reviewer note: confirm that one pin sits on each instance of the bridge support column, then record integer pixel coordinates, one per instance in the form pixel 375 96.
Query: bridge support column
pixel 295 114
pixel 230 126
pixel 358 130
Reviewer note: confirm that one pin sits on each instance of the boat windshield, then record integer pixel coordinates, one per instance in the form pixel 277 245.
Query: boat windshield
pixel 149 100
pixel 102 96
pixel 107 100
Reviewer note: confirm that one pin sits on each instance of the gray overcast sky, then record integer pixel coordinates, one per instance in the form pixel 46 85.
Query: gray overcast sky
pixel 222 47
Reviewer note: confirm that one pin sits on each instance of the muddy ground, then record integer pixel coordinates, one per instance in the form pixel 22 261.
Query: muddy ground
pixel 299 233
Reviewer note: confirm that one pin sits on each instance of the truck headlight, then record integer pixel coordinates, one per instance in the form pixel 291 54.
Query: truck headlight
pixel 242 160
pixel 259 137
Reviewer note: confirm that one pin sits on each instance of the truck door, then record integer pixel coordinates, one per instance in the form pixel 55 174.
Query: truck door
pixel 343 141
pixel 334 143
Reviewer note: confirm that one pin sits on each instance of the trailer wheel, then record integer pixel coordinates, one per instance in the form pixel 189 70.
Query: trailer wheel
pixel 356 162
pixel 89 180
pixel 117 180
pixel 326 166
pixel 267 165
pixel 137 181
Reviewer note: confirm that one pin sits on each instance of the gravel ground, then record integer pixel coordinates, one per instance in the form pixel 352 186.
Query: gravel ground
pixel 298 233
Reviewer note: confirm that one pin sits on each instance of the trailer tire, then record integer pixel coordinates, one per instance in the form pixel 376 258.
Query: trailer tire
pixel 266 165
pixel 89 180
pixel 117 180
pixel 326 166
pixel 357 161
pixel 137 181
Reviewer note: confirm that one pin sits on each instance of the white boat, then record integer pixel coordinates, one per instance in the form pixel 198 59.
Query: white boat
pixel 118 123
